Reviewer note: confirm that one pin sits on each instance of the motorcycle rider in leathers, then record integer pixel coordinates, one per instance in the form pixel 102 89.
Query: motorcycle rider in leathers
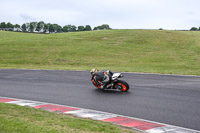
pixel 102 77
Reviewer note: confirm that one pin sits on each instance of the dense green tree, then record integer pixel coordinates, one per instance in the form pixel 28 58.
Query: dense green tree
pixel 73 28
pixel 45 29
pixel 3 26
pixel 88 28
pixel 32 26
pixel 31 29
pixel 17 27
pixel 57 28
pixel 9 26
pixel 102 27
pixel 95 28
pixel 51 28
pixel 40 26
pixel 69 28
pixel 65 28
pixel 48 26
pixel 194 29
pixel 106 26
pixel 81 28
pixel 24 28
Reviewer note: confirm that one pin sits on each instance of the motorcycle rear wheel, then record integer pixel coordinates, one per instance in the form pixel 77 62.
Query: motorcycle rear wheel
pixel 122 85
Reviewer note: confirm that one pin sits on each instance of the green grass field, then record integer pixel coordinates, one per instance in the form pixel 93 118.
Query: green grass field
pixel 17 119
pixel 149 51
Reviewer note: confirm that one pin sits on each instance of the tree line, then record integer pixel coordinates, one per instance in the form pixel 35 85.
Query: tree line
pixel 195 29
pixel 42 27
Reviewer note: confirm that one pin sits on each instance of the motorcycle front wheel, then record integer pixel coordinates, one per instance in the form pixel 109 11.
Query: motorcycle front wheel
pixel 122 85
pixel 98 86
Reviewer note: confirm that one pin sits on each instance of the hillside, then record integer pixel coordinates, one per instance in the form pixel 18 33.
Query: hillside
pixel 151 51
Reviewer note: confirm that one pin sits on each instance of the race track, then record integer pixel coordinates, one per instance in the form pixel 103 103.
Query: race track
pixel 169 99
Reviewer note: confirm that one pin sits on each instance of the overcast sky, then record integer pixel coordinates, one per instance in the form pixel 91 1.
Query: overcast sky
pixel 119 14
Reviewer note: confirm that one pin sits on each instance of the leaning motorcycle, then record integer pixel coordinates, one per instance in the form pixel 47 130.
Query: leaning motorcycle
pixel 115 83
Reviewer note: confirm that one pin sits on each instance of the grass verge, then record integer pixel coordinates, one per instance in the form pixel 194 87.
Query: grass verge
pixel 151 51
pixel 17 119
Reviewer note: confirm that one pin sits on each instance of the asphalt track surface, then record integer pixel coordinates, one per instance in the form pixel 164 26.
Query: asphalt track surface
pixel 169 99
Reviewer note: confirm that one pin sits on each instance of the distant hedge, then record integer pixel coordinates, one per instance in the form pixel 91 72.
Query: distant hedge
pixel 42 27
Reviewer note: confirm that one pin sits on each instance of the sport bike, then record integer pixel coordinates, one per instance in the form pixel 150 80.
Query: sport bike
pixel 114 84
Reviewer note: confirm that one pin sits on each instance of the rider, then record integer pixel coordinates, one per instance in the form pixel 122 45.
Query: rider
pixel 102 77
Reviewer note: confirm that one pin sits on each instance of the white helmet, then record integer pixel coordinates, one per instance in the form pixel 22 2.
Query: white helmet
pixel 93 71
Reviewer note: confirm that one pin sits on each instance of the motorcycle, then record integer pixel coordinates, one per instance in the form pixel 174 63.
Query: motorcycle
pixel 114 84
